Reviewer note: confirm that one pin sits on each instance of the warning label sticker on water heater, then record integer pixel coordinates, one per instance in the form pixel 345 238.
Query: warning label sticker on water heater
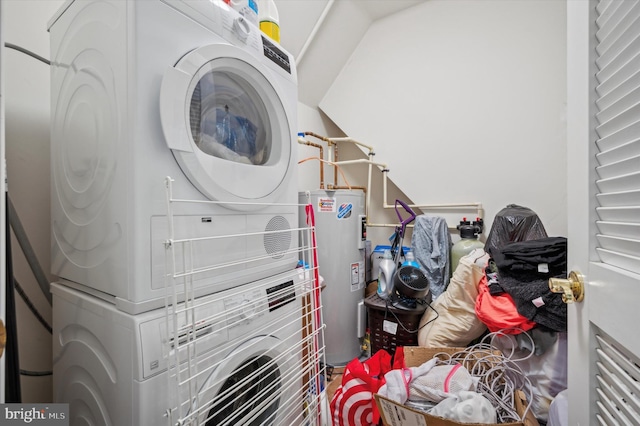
pixel 357 276
pixel 326 205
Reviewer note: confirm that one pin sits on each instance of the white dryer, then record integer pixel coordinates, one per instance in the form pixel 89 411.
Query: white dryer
pixel 111 367
pixel 142 90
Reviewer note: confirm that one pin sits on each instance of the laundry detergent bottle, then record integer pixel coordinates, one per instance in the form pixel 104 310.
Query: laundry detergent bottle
pixel 386 271
pixel 269 19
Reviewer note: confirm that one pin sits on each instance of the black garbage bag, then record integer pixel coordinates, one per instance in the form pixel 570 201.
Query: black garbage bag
pixel 514 223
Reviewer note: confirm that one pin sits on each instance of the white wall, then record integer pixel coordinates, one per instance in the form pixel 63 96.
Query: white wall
pixel 329 49
pixel 27 150
pixel 465 101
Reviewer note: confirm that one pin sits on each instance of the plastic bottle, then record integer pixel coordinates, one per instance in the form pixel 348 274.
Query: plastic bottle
pixel 410 260
pixel 468 241
pixel 247 8
pixel 386 271
pixel 366 344
pixel 269 19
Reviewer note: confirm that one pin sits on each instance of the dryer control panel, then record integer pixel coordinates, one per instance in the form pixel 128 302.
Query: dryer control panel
pixel 272 52
pixel 280 295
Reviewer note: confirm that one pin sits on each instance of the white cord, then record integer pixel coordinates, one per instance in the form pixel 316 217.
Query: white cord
pixel 498 374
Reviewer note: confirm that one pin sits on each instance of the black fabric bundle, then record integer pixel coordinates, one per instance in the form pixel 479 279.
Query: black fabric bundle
pixel 524 269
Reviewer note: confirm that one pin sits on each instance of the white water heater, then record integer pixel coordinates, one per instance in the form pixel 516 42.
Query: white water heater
pixel 340 235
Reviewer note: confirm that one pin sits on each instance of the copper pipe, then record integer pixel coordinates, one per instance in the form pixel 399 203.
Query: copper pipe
pixel 361 188
pixel 321 149
pixel 332 143
pixel 315 135
pixel 335 152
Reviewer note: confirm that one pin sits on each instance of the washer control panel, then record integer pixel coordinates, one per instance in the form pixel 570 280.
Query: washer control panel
pixel 281 294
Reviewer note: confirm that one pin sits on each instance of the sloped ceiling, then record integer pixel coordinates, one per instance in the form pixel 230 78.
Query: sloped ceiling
pixel 465 101
pixel 323 34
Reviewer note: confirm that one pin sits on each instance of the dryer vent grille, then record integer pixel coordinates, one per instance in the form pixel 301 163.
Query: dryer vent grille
pixel 277 239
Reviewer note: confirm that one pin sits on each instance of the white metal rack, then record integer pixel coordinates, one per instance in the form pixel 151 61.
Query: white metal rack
pixel 276 325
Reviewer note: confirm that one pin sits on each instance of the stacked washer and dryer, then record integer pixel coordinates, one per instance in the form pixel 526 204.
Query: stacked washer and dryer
pixel 173 160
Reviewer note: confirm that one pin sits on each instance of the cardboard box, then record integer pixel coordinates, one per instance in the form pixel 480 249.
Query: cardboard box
pixel 394 414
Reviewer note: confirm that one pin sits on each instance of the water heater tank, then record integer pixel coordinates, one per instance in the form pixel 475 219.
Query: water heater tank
pixel 339 218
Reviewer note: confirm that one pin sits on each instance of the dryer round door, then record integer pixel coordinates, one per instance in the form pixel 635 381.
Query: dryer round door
pixel 229 125
pixel 258 383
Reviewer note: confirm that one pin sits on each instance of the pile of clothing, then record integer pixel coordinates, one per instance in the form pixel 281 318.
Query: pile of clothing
pixel 447 391
pixel 504 288
pixel 474 385
pixel 515 294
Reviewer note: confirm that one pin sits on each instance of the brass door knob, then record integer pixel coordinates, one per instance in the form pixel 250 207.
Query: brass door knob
pixel 572 289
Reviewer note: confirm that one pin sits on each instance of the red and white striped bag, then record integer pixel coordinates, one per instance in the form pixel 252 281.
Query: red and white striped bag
pixel 353 403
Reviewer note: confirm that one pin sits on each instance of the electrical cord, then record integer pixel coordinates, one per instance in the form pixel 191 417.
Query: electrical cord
pixel 35 373
pixel 388 303
pixel 31 306
pixel 27 52
pixel 498 374
pixel 13 218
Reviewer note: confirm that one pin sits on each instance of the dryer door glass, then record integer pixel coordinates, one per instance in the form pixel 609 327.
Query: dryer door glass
pixel 229 120
pixel 230 123
pixel 243 396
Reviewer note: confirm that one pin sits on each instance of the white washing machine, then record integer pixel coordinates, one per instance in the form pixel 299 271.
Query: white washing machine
pixel 142 90
pixel 111 367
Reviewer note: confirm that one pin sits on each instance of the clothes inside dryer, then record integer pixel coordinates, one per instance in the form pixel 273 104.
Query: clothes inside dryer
pixel 232 136
pixel 229 120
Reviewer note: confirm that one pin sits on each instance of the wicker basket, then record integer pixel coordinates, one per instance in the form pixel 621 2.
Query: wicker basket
pixel 391 327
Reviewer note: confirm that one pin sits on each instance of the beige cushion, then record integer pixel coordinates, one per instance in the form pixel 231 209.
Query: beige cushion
pixel 456 323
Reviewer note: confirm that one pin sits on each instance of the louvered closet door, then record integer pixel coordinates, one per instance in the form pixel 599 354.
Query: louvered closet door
pixel 603 129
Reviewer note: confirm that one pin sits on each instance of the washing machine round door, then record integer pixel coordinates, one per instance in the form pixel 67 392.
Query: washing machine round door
pixel 254 385
pixel 229 124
